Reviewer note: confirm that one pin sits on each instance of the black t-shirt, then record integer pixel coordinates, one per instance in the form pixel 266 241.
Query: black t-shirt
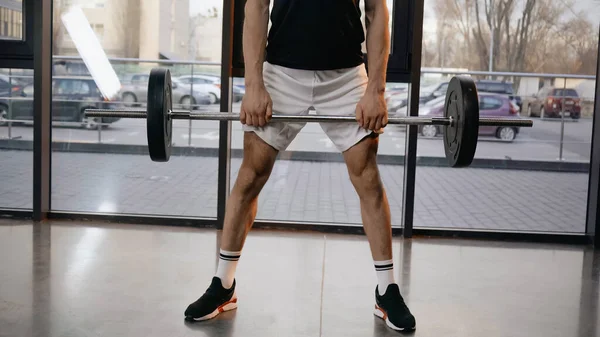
pixel 315 34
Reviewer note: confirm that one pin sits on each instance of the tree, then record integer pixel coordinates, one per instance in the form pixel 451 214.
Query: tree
pixel 527 35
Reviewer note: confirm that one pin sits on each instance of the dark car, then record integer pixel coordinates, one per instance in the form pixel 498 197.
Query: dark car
pixel 11 84
pixel 549 102
pixel 70 97
pixel 490 105
pixel 499 87
pixel 430 93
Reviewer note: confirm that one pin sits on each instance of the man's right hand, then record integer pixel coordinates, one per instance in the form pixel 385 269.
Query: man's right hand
pixel 257 107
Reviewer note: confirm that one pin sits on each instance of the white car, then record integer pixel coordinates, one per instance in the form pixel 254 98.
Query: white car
pixel 203 83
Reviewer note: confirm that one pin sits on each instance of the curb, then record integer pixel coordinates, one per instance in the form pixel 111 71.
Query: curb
pixel 529 165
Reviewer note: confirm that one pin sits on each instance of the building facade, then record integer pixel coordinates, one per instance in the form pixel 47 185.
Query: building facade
pixel 146 29
pixel 11 19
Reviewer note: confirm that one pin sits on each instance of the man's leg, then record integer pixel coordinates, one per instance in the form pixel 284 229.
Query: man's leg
pixel 240 212
pixel 375 210
pixel 374 207
pixel 242 203
pixel 291 94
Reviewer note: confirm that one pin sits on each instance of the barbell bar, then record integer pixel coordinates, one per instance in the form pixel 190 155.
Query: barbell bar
pixel 460 122
pixel 225 116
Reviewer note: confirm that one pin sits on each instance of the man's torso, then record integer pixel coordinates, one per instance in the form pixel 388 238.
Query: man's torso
pixel 316 34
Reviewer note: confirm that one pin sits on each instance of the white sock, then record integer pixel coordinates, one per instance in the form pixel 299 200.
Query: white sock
pixel 226 269
pixel 385 274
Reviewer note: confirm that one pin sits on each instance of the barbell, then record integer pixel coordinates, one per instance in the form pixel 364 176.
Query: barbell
pixel 460 121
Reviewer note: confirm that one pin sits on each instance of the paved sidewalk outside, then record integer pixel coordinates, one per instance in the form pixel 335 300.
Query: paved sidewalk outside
pixel 302 191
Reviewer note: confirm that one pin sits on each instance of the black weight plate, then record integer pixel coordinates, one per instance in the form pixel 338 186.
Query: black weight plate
pixel 159 125
pixel 462 105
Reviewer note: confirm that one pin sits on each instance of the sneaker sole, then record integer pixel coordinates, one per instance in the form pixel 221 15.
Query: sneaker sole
pixel 383 315
pixel 227 306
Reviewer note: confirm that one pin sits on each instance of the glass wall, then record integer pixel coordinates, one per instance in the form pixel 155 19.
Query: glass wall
pixel 548 191
pixel 102 165
pixel 527 179
pixel 16 140
pixel 11 19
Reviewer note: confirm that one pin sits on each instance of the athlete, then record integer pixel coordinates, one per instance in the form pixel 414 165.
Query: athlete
pixel 311 58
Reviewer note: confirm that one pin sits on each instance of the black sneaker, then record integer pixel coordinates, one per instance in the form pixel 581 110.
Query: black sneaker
pixel 215 300
pixel 391 308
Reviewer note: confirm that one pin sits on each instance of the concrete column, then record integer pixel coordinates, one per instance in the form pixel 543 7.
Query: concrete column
pixel 149 29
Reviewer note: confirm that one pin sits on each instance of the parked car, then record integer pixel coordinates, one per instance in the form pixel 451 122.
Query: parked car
pixel 11 84
pixel 238 89
pixel 396 96
pixel 550 101
pixel 71 96
pixel 3 111
pixel 490 105
pixel 134 91
pixel 499 87
pixel 432 92
pixel 396 103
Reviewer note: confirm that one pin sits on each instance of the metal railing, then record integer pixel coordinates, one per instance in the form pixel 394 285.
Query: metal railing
pixel 507 74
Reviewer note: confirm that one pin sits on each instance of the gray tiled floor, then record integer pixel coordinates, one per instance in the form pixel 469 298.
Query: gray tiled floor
pixel 91 279
pixel 303 191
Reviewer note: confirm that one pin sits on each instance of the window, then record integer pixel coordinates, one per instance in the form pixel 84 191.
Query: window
pixel 490 103
pixel 83 88
pixel 443 87
pixel 498 88
pixel 16 190
pixel 564 92
pixel 95 90
pixel 122 178
pixel 69 87
pixel 140 79
pixel 3 85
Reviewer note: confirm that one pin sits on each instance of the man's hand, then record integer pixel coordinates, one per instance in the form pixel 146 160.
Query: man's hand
pixel 257 107
pixel 371 111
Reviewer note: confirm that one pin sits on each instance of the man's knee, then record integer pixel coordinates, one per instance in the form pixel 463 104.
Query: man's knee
pixel 259 158
pixel 367 182
pixel 361 160
pixel 251 179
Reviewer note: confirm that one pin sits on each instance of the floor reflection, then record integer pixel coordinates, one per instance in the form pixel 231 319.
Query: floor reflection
pixel 588 301
pixel 221 326
pixel 41 304
pixel 137 281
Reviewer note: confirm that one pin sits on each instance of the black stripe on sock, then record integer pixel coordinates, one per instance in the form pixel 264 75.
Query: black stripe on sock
pixel 229 257
pixel 384 266
pixel 384 269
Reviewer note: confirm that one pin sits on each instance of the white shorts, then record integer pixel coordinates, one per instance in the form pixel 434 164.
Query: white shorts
pixel 329 92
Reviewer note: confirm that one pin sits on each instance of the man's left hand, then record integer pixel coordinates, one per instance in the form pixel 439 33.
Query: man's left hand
pixel 371 111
